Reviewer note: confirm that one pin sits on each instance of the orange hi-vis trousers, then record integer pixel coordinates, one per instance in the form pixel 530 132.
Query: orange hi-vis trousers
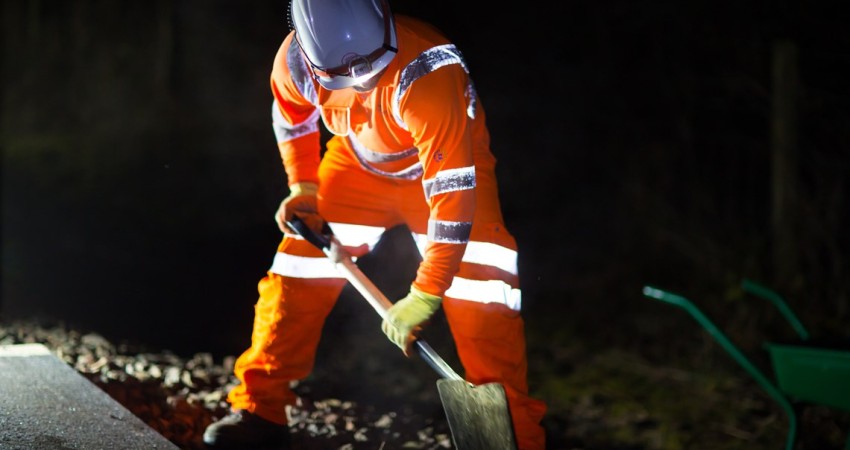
pixel 302 287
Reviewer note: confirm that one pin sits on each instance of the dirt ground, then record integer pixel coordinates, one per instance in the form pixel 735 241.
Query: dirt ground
pixel 602 393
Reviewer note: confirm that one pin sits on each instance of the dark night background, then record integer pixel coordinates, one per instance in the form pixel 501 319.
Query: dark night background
pixel 686 145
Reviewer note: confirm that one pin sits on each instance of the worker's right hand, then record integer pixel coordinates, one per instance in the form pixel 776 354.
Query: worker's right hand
pixel 302 200
pixel 405 317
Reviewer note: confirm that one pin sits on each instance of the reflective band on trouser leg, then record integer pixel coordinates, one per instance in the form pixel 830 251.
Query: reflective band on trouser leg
pixel 490 342
pixel 320 266
pixel 303 266
pixel 477 252
pixel 288 320
pixel 488 291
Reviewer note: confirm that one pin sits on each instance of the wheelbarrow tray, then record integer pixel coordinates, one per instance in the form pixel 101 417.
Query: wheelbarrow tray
pixel 813 373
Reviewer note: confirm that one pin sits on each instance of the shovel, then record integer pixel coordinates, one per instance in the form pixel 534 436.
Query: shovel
pixel 478 415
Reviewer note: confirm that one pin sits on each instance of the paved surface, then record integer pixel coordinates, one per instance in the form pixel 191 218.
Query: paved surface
pixel 46 404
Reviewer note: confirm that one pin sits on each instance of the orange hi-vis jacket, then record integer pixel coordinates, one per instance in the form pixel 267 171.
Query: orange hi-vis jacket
pixel 397 131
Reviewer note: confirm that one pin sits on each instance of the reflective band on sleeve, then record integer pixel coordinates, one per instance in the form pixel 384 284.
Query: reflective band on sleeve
pixel 484 253
pixel 427 62
pixel 490 291
pixel 284 131
pixel 449 232
pixel 449 180
pixel 300 73
pixel 303 267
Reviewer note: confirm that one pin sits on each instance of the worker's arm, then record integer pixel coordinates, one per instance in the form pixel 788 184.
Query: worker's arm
pixel 295 123
pixel 435 111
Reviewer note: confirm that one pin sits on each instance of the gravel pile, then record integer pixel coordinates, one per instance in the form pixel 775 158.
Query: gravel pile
pixel 179 397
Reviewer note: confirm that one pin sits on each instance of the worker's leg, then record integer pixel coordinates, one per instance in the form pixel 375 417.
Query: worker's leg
pixel 302 286
pixel 288 320
pixel 482 307
pixel 483 311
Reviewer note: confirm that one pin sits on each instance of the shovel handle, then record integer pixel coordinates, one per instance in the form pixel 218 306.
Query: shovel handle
pixel 344 263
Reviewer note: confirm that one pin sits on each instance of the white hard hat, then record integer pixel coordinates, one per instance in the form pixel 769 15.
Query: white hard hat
pixel 345 42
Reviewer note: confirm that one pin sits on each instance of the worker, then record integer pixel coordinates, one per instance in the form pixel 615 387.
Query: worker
pixel 410 146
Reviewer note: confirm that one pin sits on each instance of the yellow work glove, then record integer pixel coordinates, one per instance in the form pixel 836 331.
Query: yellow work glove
pixel 302 200
pixel 404 317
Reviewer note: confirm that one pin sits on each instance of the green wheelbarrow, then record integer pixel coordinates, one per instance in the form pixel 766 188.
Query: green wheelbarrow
pixel 804 372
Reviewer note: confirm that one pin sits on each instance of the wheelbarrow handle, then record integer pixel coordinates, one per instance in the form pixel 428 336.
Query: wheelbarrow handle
pixel 773 297
pixel 345 264
pixel 733 350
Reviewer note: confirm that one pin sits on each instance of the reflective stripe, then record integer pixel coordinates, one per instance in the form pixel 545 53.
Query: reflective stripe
pixel 473 99
pixel 484 253
pixel 370 155
pixel 449 232
pixel 489 291
pixel 427 62
pixel 301 74
pixel 322 267
pixel 352 234
pixel 412 172
pixel 449 180
pixel 303 267
pixel 285 131
pixel 488 254
pixel 355 235
pixel 421 240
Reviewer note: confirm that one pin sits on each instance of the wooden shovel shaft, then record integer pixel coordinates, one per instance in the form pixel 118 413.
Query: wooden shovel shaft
pixel 382 304
pixel 370 292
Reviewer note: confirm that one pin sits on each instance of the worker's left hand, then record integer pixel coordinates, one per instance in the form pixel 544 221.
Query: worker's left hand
pixel 405 316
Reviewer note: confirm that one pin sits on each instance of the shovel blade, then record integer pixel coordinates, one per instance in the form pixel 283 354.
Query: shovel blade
pixel 478 416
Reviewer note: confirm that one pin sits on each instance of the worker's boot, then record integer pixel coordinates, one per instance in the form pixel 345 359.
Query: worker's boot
pixel 241 429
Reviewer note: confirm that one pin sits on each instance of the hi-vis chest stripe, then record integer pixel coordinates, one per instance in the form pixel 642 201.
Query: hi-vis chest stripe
pixel 449 180
pixel 285 131
pixel 362 154
pixel 372 156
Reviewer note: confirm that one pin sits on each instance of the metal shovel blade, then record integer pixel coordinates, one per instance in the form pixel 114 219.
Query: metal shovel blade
pixel 478 416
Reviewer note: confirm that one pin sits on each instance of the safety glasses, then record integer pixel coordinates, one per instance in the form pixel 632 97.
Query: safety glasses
pixel 359 65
